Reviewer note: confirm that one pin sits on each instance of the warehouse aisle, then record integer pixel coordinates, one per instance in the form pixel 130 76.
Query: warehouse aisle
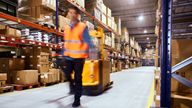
pixel 131 89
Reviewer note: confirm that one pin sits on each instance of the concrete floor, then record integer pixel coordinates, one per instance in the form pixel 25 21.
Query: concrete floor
pixel 131 89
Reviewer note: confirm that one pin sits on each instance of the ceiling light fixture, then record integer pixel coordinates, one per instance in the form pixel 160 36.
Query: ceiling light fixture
pixel 190 25
pixel 145 31
pixel 141 17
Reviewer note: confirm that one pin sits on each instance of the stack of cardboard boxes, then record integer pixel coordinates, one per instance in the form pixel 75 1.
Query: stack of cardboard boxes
pixel 104 14
pixel 7 31
pixel 10 66
pixel 117 43
pixel 3 79
pixel 37 10
pixel 94 7
pixel 127 49
pixel 37 58
pixel 113 40
pixel 117 28
pixel 113 24
pixel 109 18
pixel 108 39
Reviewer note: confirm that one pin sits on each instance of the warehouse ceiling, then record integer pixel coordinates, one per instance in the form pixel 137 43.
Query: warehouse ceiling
pixel 138 16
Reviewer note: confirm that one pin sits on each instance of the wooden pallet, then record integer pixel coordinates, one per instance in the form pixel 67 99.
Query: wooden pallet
pixel 6 89
pixel 49 84
pixel 19 87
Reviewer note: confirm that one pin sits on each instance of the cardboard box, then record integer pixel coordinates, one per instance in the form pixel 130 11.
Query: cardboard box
pixel 95 12
pixel 104 18
pixel 109 12
pixel 18 33
pixel 109 21
pixel 178 101
pixel 3 76
pixel 6 30
pixel 125 34
pixel 43 68
pixel 36 13
pixel 9 66
pixel 93 4
pixel 51 4
pixel 56 72
pixel 49 77
pixel 26 77
pixel 37 58
pixel 104 9
pixel 118 25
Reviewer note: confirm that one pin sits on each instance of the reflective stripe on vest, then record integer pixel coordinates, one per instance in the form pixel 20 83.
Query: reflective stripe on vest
pixel 74 45
pixel 73 41
pixel 77 51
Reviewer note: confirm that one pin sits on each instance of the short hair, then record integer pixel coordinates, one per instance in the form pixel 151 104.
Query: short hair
pixel 74 8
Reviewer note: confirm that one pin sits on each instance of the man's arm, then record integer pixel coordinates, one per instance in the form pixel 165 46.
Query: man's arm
pixel 87 39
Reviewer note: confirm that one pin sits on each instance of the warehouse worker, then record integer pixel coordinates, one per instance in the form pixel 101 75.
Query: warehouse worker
pixel 76 47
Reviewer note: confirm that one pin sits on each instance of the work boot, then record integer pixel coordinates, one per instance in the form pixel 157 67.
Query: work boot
pixel 76 103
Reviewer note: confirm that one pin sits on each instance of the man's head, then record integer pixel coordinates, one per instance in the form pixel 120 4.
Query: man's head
pixel 73 13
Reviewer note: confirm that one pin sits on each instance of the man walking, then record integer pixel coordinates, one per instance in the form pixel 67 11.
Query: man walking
pixel 76 47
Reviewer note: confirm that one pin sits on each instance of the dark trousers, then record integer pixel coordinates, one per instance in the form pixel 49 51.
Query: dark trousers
pixel 76 65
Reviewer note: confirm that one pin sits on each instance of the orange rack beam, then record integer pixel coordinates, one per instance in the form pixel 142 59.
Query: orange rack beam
pixel 30 24
pixel 13 42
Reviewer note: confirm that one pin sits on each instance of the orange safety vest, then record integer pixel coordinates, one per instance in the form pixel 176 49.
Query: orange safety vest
pixel 74 46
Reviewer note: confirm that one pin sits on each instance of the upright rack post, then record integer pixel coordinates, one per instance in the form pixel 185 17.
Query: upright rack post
pixel 57 19
pixel 166 54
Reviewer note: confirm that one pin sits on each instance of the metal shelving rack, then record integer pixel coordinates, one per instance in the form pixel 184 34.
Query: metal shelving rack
pixel 167 71
pixel 20 23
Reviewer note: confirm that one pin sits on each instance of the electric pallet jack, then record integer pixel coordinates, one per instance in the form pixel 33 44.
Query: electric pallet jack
pixel 96 73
